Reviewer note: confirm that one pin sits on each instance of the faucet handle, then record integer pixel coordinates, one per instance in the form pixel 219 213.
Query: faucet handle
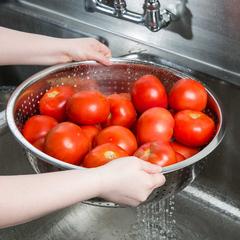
pixel 152 15
pixel 155 19
pixel 120 6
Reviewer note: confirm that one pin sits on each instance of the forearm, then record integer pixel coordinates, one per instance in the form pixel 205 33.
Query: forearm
pixel 26 48
pixel 24 198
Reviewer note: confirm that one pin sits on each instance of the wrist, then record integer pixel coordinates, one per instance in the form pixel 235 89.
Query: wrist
pixel 101 180
pixel 93 179
pixel 63 47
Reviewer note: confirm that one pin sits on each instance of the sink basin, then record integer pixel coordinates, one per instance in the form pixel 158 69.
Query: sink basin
pixel 196 218
pixel 208 209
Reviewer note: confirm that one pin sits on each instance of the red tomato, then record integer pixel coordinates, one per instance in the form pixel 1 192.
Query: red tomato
pixel 148 92
pixel 38 126
pixel 53 102
pixel 188 94
pixel 122 111
pixel 185 151
pixel 91 131
pixel 88 107
pixel 103 154
pixel 193 128
pixel 156 124
pixel 39 144
pixel 179 157
pixel 119 136
pixel 67 142
pixel 158 153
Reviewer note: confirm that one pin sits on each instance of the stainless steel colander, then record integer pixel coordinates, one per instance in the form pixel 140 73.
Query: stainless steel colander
pixel 118 77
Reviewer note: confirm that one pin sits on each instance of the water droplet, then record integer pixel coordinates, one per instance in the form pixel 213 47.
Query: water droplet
pixel 155 221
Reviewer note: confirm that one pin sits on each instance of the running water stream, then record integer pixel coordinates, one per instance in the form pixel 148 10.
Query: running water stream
pixel 155 221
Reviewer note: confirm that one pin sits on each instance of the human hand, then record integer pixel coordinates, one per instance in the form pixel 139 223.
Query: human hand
pixel 83 49
pixel 129 180
pixel 35 49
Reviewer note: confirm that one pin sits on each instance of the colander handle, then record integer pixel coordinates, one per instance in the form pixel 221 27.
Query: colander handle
pixel 142 56
pixel 133 55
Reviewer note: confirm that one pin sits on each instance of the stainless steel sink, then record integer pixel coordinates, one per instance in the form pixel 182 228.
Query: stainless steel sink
pixel 206 210
pixel 201 212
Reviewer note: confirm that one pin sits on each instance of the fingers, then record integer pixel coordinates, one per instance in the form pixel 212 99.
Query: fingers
pixel 104 49
pixel 99 57
pixel 158 180
pixel 83 49
pixel 126 201
pixel 151 168
pixel 101 48
pixel 121 189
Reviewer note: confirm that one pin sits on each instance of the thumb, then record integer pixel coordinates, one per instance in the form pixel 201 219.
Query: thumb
pixel 151 168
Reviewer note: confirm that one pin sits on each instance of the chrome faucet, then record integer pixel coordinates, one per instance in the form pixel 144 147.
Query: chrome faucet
pixel 153 17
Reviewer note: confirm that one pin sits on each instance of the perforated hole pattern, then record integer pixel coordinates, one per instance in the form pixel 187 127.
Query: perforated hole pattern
pixel 114 79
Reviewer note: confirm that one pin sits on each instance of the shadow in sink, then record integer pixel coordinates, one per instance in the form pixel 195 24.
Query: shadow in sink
pixel 5 93
pixel 14 75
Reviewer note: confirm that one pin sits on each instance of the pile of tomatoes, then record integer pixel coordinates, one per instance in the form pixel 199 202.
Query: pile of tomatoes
pixel 89 129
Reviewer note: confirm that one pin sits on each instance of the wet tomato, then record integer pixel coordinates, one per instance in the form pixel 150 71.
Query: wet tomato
pixel 122 111
pixel 39 143
pixel 148 92
pixel 188 94
pixel 158 153
pixel 156 124
pixel 193 128
pixel 53 102
pixel 91 131
pixel 103 154
pixel 179 157
pixel 38 126
pixel 67 142
pixel 88 108
pixel 185 151
pixel 119 136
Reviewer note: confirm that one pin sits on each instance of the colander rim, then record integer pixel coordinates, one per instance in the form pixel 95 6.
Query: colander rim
pixel 63 165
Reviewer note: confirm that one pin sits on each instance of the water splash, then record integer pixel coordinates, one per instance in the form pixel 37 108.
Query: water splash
pixel 155 221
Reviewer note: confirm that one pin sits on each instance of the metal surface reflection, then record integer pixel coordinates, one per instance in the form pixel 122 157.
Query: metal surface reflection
pixel 153 17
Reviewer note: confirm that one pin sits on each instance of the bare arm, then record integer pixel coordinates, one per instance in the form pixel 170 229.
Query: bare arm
pixel 26 197
pixel 26 48
pixel 23 198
